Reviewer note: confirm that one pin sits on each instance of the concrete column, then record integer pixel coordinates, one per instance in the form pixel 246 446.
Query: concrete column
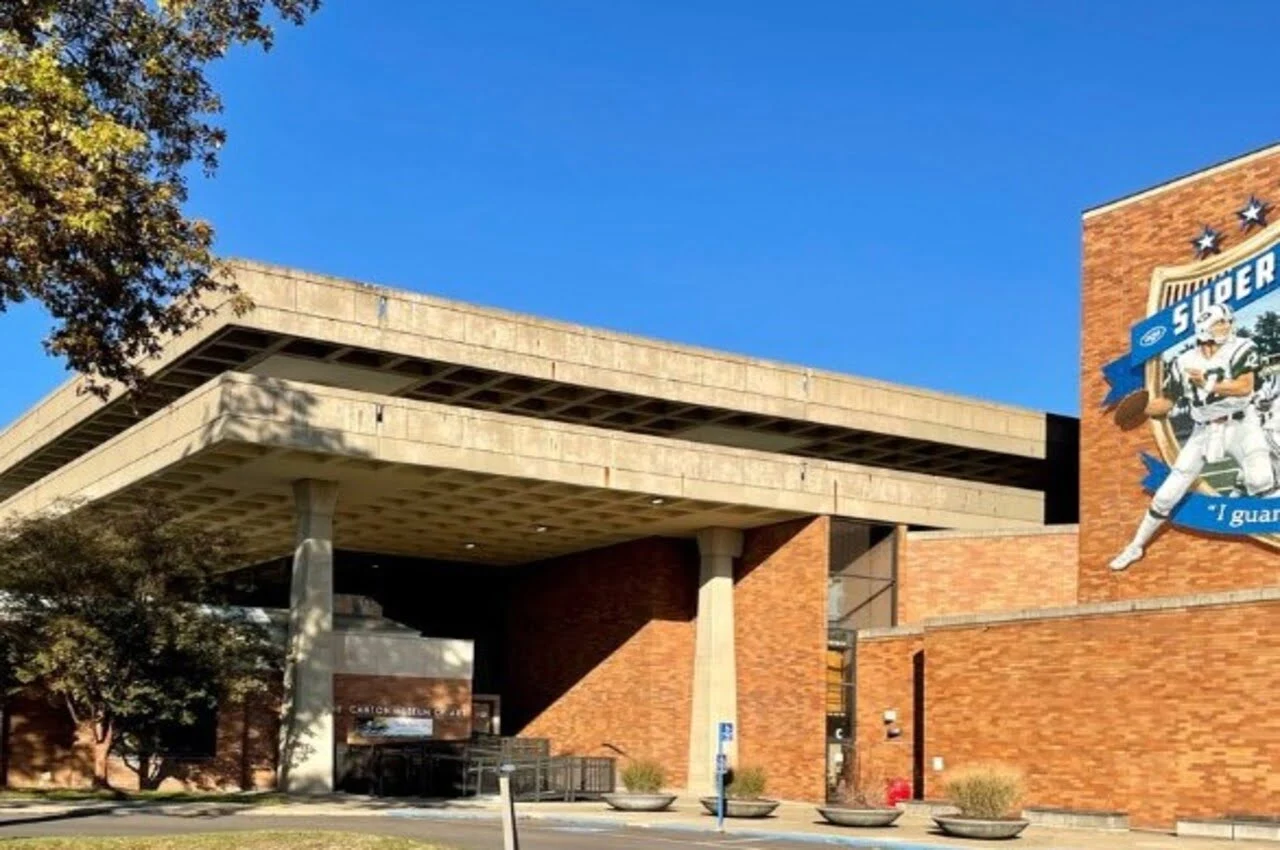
pixel 306 734
pixel 715 674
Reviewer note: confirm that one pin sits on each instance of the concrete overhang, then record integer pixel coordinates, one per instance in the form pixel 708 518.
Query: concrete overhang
pixel 324 330
pixel 425 479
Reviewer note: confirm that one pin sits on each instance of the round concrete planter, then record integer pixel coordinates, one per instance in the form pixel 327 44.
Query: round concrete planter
pixel 628 802
pixel 842 816
pixel 742 808
pixel 992 830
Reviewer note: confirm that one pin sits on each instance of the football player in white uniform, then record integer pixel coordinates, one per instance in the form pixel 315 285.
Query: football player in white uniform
pixel 1267 400
pixel 1216 379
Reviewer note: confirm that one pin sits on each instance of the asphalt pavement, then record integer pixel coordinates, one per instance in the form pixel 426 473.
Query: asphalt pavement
pixel 459 834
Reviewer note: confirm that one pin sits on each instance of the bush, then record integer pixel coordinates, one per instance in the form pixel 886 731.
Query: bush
pixel 644 776
pixel 748 783
pixel 862 798
pixel 989 791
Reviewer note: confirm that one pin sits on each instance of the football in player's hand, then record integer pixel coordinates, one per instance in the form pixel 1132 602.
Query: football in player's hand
pixel 1132 410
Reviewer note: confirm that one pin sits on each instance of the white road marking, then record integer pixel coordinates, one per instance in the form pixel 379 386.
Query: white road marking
pixel 581 829
pixel 702 842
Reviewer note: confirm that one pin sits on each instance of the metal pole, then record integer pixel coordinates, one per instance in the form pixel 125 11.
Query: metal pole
pixel 720 783
pixel 510 839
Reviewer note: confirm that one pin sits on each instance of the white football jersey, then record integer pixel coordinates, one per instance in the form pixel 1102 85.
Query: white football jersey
pixel 1238 357
pixel 1266 400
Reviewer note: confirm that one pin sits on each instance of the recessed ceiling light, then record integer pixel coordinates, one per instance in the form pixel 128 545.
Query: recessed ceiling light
pixel 541 529
pixel 469 546
pixel 657 500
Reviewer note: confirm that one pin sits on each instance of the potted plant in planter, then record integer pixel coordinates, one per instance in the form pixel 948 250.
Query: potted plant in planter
pixel 860 807
pixel 985 795
pixel 744 795
pixel 644 780
pixel 856 805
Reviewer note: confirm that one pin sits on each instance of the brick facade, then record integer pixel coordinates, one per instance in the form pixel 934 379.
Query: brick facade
pixel 885 681
pixel 780 622
pixel 1122 246
pixel 600 658
pixel 45 750
pixel 600 652
pixel 944 573
pixel 1162 714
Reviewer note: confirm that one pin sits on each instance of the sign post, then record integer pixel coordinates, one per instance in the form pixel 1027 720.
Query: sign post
pixel 510 838
pixel 722 767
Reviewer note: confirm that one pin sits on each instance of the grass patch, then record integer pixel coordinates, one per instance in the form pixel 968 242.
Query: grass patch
pixel 86 795
pixel 224 841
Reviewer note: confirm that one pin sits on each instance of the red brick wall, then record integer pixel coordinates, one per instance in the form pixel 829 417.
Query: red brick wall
pixel 600 652
pixel 1121 249
pixel 1161 714
pixel 885 681
pixel 46 751
pixel 940 575
pixel 42 740
pixel 449 698
pixel 780 620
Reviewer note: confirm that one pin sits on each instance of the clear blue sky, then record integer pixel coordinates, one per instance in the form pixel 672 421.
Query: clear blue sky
pixel 887 189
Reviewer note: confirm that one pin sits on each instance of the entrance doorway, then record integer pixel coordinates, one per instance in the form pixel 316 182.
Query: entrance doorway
pixel 862 593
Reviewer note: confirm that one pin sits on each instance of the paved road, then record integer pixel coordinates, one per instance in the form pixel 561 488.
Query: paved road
pixel 460 834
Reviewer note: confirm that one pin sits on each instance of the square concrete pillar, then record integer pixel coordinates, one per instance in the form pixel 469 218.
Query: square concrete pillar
pixel 715 673
pixel 306 734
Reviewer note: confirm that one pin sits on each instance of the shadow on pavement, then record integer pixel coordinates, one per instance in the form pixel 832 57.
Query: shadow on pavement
pixel 70 814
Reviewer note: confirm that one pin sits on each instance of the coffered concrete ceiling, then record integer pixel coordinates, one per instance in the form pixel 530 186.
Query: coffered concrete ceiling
pixel 443 514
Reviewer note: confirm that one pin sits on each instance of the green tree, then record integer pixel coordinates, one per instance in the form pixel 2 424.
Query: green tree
pixel 111 615
pixel 103 106
pixel 1266 333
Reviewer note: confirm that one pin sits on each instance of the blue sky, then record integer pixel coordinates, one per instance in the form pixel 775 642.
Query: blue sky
pixel 891 190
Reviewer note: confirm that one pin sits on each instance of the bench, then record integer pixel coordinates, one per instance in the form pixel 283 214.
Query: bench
pixel 1077 818
pixel 1236 827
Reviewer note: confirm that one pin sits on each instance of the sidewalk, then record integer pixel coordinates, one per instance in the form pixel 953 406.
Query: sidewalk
pixel 800 821
pixel 792 821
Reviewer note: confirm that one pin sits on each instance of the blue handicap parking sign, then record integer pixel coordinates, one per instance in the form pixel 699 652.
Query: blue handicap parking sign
pixel 726 731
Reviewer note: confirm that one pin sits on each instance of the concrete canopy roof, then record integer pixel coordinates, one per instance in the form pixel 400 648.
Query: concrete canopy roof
pixel 324 330
pixel 426 479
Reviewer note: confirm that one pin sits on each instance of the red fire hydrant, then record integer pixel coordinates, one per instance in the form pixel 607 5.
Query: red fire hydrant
pixel 897 791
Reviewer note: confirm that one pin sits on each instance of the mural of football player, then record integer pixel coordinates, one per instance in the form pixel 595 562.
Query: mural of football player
pixel 1267 400
pixel 1216 378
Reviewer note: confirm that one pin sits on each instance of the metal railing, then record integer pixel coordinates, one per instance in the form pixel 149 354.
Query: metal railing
pixel 566 778
pixel 470 769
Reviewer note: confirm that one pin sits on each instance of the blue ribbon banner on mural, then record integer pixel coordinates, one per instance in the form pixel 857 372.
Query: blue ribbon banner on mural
pixel 1216 514
pixel 1237 287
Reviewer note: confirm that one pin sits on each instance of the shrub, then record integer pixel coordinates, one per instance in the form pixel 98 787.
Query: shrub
pixel 748 783
pixel 862 798
pixel 987 791
pixel 644 776
pixel 852 793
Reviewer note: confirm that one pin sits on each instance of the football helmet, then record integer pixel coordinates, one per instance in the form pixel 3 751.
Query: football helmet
pixel 1212 316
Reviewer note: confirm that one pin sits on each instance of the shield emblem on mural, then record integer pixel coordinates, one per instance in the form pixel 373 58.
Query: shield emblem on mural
pixel 1244 278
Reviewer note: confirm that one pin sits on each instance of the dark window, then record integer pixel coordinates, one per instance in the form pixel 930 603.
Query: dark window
pixel 196 740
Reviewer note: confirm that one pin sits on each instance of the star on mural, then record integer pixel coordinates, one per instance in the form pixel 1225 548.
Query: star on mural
pixel 1206 243
pixel 1254 213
